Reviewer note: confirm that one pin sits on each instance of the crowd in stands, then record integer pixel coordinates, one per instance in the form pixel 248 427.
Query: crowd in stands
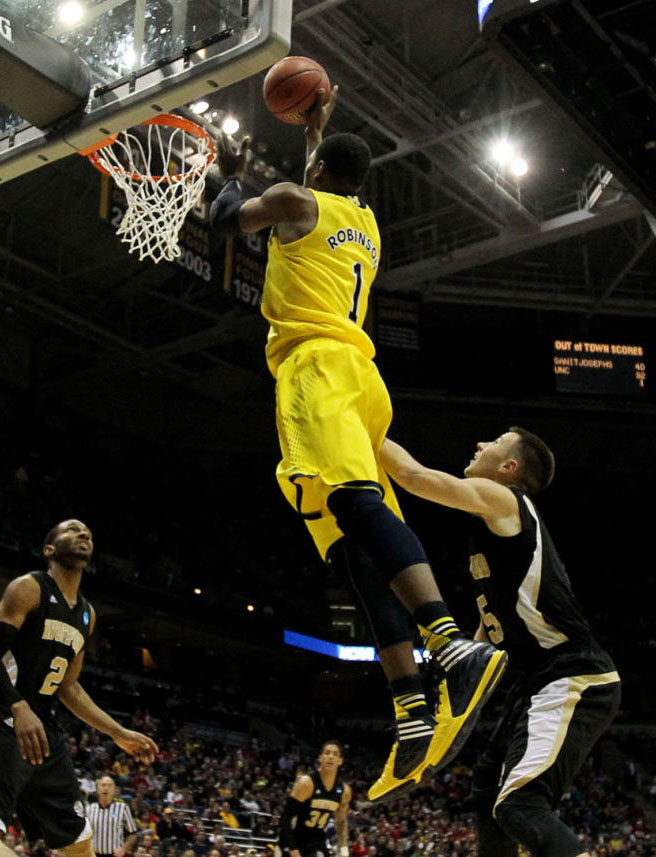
pixel 205 798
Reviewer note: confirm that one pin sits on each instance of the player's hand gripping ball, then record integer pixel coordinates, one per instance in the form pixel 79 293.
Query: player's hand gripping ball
pixel 290 88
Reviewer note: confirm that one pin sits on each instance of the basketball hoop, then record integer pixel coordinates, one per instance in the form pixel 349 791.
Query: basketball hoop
pixel 157 204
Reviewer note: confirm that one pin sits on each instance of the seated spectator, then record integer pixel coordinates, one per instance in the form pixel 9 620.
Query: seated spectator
pixel 216 836
pixel 228 816
pixel 121 769
pixel 147 841
pixel 201 843
pixel 248 802
pixel 88 784
pixel 360 847
pixel 146 821
pixel 171 831
pixel 174 795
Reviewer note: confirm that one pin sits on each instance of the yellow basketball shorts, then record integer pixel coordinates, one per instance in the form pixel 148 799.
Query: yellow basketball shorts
pixel 332 412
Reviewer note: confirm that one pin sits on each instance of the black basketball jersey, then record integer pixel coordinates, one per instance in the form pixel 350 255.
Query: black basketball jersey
pixel 526 601
pixel 315 813
pixel 51 637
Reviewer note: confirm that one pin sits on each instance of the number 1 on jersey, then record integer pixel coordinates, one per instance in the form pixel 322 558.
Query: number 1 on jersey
pixel 357 271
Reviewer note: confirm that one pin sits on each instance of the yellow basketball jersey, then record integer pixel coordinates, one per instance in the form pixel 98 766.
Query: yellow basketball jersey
pixel 318 285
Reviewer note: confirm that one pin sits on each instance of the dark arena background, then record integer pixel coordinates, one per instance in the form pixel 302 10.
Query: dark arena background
pixel 514 171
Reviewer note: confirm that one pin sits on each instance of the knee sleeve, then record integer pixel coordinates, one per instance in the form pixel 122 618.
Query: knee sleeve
pixel 389 621
pixel 366 520
pixel 537 829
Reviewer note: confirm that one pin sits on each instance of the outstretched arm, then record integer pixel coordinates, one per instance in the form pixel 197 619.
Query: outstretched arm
pixel 317 119
pixel 78 701
pixel 482 497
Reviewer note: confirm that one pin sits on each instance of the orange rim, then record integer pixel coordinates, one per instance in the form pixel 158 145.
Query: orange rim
pixel 101 145
pixel 93 153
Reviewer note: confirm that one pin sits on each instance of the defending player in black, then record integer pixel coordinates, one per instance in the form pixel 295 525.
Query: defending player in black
pixel 567 690
pixel 313 799
pixel 45 623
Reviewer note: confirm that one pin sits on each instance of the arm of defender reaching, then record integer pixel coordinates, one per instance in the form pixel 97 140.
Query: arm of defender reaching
pixel 282 203
pixel 478 496
pixel 341 822
pixel 20 598
pixel 78 701
pixel 230 213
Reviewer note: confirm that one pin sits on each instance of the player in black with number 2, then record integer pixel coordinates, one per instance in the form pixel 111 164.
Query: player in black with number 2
pixel 567 690
pixel 45 624
pixel 313 799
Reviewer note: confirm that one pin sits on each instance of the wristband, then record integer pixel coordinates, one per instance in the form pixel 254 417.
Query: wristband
pixel 224 212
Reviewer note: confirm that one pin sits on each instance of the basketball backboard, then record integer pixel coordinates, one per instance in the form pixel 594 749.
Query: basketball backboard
pixel 146 57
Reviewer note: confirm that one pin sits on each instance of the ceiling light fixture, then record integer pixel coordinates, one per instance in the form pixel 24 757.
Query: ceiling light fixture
pixel 503 151
pixel 230 125
pixel 519 167
pixel 70 13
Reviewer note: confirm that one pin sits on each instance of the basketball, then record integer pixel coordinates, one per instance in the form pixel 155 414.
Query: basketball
pixel 290 88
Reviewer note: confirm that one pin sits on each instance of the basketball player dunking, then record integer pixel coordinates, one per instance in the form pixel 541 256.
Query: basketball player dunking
pixel 45 623
pixel 333 411
pixel 313 799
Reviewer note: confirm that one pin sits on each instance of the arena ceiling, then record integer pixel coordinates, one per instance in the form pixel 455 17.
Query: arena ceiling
pixel 86 323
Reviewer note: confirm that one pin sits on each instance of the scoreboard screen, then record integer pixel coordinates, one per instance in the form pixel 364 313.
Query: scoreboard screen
pixel 599 368
pixel 499 11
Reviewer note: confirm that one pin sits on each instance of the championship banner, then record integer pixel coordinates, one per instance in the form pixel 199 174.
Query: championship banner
pixel 397 323
pixel 245 265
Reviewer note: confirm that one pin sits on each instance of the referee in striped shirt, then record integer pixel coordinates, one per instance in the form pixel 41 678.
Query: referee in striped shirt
pixel 110 820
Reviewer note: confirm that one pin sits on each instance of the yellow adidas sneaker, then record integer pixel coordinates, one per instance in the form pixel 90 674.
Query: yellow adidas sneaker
pixel 407 759
pixel 471 671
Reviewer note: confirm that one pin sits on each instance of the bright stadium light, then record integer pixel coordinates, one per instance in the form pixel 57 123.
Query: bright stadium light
pixel 519 167
pixel 502 152
pixel 230 125
pixel 199 107
pixel 128 58
pixel 70 13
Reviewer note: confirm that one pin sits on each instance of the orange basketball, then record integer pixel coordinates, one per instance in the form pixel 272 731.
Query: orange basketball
pixel 290 88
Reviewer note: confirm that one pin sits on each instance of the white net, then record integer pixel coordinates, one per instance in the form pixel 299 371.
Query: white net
pixel 161 169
